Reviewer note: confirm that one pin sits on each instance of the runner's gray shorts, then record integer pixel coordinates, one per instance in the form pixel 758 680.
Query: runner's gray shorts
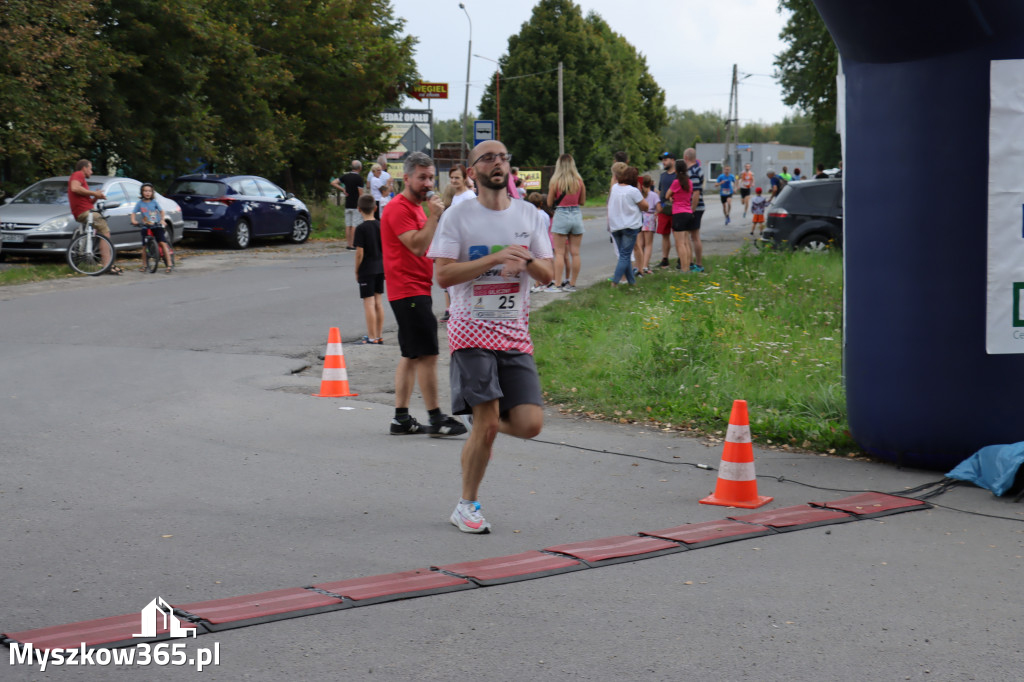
pixel 479 375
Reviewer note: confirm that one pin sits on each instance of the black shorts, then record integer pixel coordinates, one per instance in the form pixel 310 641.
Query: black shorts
pixel 159 233
pixel 479 375
pixel 370 285
pixel 682 222
pixel 417 326
pixel 726 197
pixel 744 192
pixel 695 224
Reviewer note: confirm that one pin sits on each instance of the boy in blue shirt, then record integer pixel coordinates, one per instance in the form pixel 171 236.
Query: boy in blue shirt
pixel 152 216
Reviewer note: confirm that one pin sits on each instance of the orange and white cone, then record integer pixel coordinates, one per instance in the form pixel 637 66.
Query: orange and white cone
pixel 737 482
pixel 334 380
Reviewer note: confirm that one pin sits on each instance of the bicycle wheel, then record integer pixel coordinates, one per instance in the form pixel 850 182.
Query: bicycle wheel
pixel 151 254
pixel 86 257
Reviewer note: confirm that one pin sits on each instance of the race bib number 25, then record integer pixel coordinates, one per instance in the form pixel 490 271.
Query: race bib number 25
pixel 499 301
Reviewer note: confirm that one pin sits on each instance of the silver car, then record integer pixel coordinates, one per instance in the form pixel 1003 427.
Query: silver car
pixel 38 220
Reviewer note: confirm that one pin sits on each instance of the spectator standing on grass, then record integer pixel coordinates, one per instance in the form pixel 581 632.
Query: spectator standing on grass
pixel 486 251
pixel 786 177
pixel 567 194
pixel 725 183
pixel 645 240
pixel 680 196
pixel 406 232
pixel 696 175
pixel 668 165
pixel 537 199
pixel 626 206
pixel 351 186
pixel 370 270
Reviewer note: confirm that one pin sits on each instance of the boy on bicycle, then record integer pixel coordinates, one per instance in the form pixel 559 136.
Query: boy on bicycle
pixel 152 216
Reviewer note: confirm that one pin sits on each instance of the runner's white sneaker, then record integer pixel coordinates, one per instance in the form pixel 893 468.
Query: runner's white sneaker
pixel 468 519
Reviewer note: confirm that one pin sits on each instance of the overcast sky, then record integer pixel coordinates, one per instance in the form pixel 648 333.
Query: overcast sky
pixel 690 48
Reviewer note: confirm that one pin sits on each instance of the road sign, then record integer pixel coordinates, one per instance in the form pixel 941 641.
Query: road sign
pixel 409 130
pixel 482 131
pixel 423 91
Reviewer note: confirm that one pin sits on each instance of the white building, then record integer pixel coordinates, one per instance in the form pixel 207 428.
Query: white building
pixel 762 157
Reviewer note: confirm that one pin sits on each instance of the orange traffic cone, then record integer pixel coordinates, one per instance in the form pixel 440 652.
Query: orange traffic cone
pixel 737 484
pixel 334 381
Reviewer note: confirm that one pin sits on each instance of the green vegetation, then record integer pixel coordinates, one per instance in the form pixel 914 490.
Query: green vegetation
pixel 611 100
pixel 255 86
pixel 328 220
pixel 676 350
pixel 807 73
pixel 23 273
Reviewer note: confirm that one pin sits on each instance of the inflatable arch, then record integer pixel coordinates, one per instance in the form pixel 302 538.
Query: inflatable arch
pixel 933 123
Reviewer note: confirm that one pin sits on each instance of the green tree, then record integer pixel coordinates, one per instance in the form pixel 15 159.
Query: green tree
pixel 684 127
pixel 610 100
pixel 806 70
pixel 153 106
pixel 348 61
pixel 51 60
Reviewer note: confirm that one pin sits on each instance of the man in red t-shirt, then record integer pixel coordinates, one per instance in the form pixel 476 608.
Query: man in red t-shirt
pixel 81 199
pixel 406 233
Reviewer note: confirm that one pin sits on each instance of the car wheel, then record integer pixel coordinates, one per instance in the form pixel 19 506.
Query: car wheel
pixel 300 230
pixel 815 243
pixel 242 235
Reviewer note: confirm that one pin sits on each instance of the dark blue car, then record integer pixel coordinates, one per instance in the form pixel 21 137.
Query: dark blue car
pixel 239 208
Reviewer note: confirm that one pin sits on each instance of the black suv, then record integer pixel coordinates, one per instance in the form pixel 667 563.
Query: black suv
pixel 807 215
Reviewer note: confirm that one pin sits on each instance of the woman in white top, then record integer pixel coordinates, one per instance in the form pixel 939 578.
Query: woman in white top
pixel 456 192
pixel 566 193
pixel 379 189
pixel 626 207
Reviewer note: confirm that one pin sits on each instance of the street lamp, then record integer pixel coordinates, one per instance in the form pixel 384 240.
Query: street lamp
pixel 469 52
pixel 497 95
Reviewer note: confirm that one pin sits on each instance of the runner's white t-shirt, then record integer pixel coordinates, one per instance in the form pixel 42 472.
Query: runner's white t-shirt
pixel 491 311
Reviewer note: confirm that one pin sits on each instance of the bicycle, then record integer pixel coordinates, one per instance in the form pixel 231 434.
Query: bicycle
pixel 85 252
pixel 151 249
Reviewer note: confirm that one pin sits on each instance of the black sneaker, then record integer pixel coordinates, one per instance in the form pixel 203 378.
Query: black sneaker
pixel 679 264
pixel 405 427
pixel 663 263
pixel 446 426
pixel 447 315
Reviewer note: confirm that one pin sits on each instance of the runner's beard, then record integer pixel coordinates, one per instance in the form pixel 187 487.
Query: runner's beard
pixel 488 181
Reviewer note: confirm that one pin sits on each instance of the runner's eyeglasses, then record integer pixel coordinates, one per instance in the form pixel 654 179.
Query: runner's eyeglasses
pixel 491 157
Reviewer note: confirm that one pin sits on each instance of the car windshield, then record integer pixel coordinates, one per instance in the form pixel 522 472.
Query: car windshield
pixel 202 188
pixel 52 192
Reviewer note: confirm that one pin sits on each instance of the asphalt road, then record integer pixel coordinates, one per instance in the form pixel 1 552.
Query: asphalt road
pixel 158 438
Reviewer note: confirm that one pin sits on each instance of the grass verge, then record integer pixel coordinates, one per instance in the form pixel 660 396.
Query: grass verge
pixel 328 220
pixel 677 349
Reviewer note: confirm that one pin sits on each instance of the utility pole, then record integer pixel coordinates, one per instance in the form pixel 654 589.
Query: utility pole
pixel 465 104
pixel 732 120
pixel 561 116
